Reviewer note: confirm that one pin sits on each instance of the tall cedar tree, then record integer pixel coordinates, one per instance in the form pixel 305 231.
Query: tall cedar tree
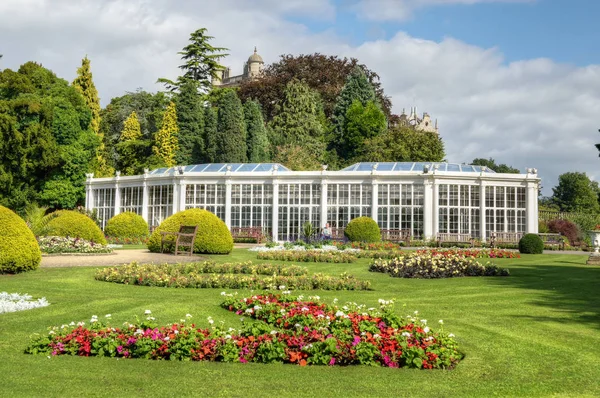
pixel 324 74
pixel 131 147
pixel 357 88
pixel 210 135
pixel 201 62
pixel 257 140
pixel 231 130
pixel 403 144
pixel 361 123
pixel 191 124
pixel 298 120
pixel 84 83
pixel 166 143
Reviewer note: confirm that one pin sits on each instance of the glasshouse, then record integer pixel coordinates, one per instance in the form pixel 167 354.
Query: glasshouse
pixel 424 200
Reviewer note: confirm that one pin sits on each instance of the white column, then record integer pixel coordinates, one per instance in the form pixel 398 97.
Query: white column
pixel 323 208
pixel 374 199
pixel 275 211
pixel 182 196
pixel 88 191
pixel 429 212
pixel 228 203
pixel 482 222
pixel 532 207
pixel 145 198
pixel 117 193
pixel 175 203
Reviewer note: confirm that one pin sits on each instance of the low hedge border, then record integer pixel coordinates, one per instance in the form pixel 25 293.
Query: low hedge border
pixel 307 256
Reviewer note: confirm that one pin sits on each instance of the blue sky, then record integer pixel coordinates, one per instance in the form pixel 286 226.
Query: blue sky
pixel 565 31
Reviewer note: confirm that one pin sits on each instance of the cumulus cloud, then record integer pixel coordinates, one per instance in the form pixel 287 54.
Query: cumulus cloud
pixel 400 10
pixel 530 113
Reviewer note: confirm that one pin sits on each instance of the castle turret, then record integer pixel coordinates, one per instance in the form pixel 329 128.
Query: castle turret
pixel 255 65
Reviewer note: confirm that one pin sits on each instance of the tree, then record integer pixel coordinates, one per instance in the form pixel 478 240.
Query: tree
pixel 403 144
pixel 361 123
pixel 324 74
pixel 257 140
pixel 191 124
pixel 131 128
pixel 231 130
pixel 165 143
pixel 201 61
pixel 575 192
pixel 210 135
pixel 498 168
pixel 296 157
pixel 298 120
pixel 131 147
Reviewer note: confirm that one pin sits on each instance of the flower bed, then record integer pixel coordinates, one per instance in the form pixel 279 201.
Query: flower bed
pixel 59 245
pixel 389 254
pixel 429 265
pixel 473 253
pixel 313 256
pixel 378 246
pixel 231 276
pixel 292 331
pixel 13 302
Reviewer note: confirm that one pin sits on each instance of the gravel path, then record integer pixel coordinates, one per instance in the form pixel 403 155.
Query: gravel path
pixel 119 257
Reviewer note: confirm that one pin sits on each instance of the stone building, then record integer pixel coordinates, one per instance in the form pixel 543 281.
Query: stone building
pixel 252 69
pixel 424 123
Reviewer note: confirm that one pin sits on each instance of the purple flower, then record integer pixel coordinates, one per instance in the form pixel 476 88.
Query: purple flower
pixel 120 349
pixel 355 341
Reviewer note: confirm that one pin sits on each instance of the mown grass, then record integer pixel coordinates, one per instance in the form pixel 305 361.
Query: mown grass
pixel 535 333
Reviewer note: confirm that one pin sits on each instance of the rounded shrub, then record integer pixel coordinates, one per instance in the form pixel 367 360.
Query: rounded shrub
pixel 531 244
pixel 126 225
pixel 213 236
pixel 75 225
pixel 363 229
pixel 19 250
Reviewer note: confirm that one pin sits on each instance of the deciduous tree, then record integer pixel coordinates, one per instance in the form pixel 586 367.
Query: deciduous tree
pixel 575 192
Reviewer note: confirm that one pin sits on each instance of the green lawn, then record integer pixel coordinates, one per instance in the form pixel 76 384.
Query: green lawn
pixel 130 247
pixel 535 333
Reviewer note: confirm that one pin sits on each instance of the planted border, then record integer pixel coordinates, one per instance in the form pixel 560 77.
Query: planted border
pixel 473 253
pixel 231 276
pixel 307 256
pixel 289 330
pixel 63 245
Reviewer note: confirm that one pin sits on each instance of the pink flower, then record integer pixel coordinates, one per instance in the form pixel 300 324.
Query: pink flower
pixel 332 361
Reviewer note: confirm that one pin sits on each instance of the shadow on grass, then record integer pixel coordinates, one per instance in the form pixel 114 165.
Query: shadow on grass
pixel 567 287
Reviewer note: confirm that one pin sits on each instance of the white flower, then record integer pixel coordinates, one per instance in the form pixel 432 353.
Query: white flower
pixel 223 293
pixel 441 321
pixel 339 313
pixel 298 325
pixel 93 320
pixel 282 287
pixel 188 316
pixel 405 334
pixel 451 335
pixel 376 336
pixel 416 312
pixel 107 315
pixel 51 332
pixel 176 331
pixel 335 300
pixel 424 321
pixel 286 292
pixel 426 330
pixel 138 332
pixel 210 320
pixel 167 338
pixel 282 311
pixel 249 311
pixel 257 308
pixel 80 323
pixel 273 332
pixel 242 319
pixel 72 323
pixel 228 336
pixel 151 318
pixel 147 312
pixel 304 309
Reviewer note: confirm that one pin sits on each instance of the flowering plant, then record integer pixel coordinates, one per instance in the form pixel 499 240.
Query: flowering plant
pixel 307 256
pixel 13 302
pixel 473 253
pixel 288 329
pixel 232 276
pixel 59 244
pixel 429 264
pixel 369 245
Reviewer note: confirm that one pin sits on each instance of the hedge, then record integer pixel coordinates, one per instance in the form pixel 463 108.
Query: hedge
pixel 75 225
pixel 363 229
pixel 126 225
pixel 213 236
pixel 19 250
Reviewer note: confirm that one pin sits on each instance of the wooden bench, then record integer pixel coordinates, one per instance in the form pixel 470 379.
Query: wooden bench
pixel 505 237
pixel 396 235
pixel 455 238
pixel 338 234
pixel 248 233
pixel 184 238
pixel 551 239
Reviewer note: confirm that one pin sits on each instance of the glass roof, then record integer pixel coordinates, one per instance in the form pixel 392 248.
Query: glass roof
pixel 222 167
pixel 416 167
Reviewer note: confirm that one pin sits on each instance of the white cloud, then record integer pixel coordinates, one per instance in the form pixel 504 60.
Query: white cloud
pixel 400 10
pixel 531 113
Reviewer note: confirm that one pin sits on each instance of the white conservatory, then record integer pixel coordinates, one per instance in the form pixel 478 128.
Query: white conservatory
pixel 424 198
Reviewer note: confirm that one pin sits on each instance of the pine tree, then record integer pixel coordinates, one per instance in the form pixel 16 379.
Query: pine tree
pixel 130 147
pixel 231 130
pixel 84 83
pixel 165 142
pixel 131 128
pixel 298 120
pixel 257 141
pixel 357 88
pixel 191 124
pixel 210 135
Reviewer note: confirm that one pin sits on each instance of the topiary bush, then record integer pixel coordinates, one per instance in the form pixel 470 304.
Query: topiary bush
pixel 531 244
pixel 363 229
pixel 213 236
pixel 75 225
pixel 19 250
pixel 126 225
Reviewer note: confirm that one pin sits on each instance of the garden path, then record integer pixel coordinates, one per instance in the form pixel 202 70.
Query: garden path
pixel 117 258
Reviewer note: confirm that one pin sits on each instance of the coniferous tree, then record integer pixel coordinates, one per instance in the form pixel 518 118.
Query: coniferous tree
pixel 210 135
pixel 298 120
pixel 165 142
pixel 361 123
pixel 84 83
pixel 231 130
pixel 130 147
pixel 190 121
pixel 131 128
pixel 257 141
